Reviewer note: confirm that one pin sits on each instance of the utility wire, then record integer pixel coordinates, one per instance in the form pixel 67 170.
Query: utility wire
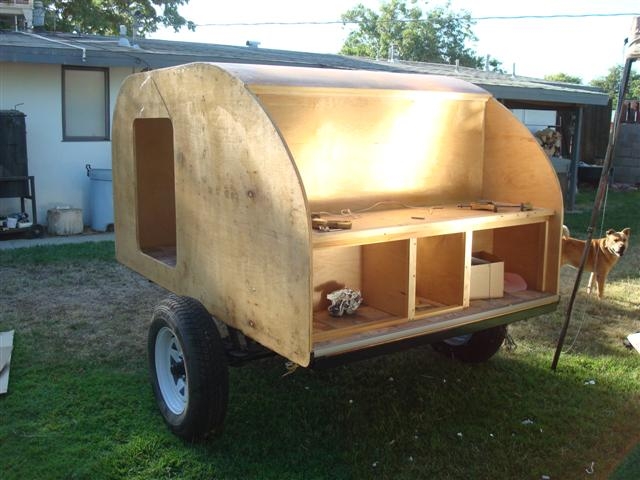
pixel 347 22
pixel 559 15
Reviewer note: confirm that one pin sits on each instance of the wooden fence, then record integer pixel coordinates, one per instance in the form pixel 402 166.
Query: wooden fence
pixel 630 112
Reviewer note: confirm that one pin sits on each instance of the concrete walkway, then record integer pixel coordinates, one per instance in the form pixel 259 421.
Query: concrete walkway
pixel 54 240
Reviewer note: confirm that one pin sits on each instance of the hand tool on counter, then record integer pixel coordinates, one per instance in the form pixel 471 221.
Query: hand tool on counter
pixel 323 224
pixel 494 206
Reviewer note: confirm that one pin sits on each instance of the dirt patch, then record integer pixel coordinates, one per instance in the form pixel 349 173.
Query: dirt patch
pixel 597 326
pixel 99 310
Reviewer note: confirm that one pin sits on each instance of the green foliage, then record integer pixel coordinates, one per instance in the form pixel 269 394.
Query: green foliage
pixel 439 35
pixel 104 17
pixel 610 83
pixel 563 77
pixel 629 468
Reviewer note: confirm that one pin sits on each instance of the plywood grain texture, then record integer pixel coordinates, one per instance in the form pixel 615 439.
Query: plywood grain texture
pixel 334 269
pixel 385 273
pixel 242 230
pixel 353 150
pixel 218 169
pixel 517 170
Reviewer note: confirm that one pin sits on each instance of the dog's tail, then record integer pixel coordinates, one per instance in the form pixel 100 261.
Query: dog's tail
pixel 565 232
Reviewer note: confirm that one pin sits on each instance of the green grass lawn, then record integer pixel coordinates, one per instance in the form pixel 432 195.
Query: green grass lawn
pixel 80 404
pixel 630 468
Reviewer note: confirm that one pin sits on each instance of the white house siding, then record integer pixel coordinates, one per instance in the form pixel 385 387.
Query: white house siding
pixel 58 167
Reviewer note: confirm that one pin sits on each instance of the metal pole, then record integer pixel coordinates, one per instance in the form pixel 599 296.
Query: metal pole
pixel 572 184
pixel 604 180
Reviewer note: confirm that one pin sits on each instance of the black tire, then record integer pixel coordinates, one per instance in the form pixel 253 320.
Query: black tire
pixel 477 347
pixel 188 367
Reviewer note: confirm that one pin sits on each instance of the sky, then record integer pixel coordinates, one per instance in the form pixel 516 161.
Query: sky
pixel 585 47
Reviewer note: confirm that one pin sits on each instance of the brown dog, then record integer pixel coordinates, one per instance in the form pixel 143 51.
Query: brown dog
pixel 603 254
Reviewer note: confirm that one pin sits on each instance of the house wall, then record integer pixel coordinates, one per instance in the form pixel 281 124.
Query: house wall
pixel 58 166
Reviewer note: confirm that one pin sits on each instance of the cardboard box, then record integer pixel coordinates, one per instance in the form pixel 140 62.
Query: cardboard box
pixel 487 276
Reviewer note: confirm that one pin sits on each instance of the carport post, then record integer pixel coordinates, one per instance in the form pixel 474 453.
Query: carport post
pixel 572 185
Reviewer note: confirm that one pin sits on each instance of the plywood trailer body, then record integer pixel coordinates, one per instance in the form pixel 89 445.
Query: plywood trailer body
pixel 219 168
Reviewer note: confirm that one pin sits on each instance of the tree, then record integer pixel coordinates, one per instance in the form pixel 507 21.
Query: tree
pixel 610 83
pixel 438 35
pixel 563 77
pixel 104 17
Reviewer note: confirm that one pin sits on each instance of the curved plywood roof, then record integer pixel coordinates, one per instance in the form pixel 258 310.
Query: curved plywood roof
pixel 360 79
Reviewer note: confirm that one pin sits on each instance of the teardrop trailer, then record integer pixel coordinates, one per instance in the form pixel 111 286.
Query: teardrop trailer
pixel 221 172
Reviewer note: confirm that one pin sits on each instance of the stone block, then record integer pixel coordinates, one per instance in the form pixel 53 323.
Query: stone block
pixel 64 221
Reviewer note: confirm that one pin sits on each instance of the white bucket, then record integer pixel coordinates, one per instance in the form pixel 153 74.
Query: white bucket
pixel 12 222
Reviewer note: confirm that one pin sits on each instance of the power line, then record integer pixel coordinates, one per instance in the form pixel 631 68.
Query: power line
pixel 497 17
pixel 559 15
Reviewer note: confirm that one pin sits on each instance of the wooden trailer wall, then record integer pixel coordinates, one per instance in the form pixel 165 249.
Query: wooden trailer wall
pixel 209 204
pixel 218 168
pixel 356 143
pixel 515 171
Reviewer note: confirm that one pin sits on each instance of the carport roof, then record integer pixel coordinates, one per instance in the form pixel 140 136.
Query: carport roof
pixel 101 51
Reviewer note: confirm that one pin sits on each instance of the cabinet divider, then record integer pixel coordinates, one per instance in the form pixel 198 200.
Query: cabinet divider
pixel 468 244
pixel 411 287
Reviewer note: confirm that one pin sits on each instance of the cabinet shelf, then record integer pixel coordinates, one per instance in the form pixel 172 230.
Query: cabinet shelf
pixel 332 335
pixel 414 267
pixel 397 224
pixel 22 188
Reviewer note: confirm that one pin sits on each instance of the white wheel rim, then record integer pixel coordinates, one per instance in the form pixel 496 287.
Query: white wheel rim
pixel 171 371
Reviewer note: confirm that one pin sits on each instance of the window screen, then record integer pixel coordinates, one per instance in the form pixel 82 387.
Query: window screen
pixel 85 104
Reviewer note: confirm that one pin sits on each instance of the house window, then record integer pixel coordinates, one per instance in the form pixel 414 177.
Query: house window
pixel 85 104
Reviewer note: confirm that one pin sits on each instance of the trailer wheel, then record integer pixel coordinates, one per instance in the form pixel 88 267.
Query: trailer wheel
pixel 188 367
pixel 476 347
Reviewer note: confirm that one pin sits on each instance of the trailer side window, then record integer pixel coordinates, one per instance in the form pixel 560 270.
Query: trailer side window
pixel 155 180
